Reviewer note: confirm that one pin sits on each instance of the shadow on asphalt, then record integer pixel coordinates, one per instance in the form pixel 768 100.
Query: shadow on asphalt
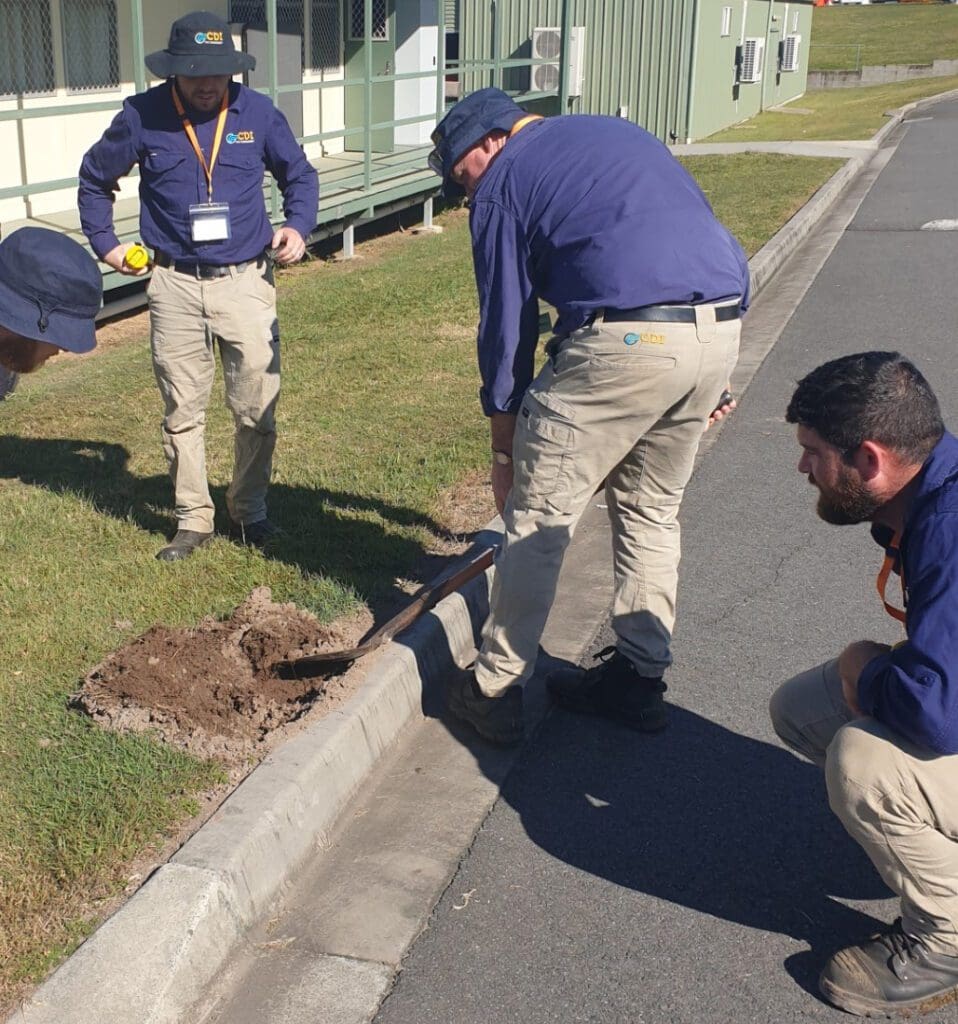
pixel 703 817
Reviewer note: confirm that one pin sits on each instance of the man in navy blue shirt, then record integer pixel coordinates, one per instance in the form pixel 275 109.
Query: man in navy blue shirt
pixel 882 720
pixel 593 215
pixel 202 143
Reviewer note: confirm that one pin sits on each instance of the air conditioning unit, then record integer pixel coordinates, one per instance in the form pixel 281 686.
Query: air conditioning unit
pixel 753 57
pixel 790 51
pixel 547 45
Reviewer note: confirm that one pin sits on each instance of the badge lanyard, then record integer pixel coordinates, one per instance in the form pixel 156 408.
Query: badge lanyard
pixel 882 581
pixel 217 140
pixel 523 121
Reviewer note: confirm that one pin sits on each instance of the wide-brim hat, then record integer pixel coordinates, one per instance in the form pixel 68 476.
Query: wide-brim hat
pixel 472 118
pixel 200 45
pixel 50 289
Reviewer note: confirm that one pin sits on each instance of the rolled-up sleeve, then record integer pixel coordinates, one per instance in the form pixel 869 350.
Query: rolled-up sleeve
pixel 508 307
pixel 914 688
pixel 295 175
pixel 103 165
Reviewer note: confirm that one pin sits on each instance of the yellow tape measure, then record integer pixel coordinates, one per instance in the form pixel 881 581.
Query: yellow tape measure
pixel 136 257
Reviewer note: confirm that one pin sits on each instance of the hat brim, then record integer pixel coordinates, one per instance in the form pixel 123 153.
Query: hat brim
pixel 164 64
pixel 21 316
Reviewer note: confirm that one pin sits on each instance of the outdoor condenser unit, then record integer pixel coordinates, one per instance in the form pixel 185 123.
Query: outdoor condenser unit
pixel 790 51
pixel 547 45
pixel 753 55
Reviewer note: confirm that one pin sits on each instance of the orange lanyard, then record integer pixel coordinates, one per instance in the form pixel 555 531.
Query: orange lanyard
pixel 217 140
pixel 882 581
pixel 523 121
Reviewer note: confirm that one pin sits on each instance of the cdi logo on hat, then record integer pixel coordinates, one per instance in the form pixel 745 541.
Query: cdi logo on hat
pixel 209 37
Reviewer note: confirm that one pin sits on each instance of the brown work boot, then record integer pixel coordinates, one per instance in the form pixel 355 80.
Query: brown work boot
pixel 890 973
pixel 496 719
pixel 183 544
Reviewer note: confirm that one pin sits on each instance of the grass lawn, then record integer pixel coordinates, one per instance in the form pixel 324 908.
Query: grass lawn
pixel 379 421
pixel 835 113
pixel 849 37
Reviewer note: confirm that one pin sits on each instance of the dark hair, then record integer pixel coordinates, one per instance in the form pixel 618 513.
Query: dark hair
pixel 872 396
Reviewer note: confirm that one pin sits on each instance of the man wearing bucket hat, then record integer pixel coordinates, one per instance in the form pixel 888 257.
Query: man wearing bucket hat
pixel 50 294
pixel 202 143
pixel 596 217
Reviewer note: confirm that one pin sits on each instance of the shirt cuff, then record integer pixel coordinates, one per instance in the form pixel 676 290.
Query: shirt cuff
pixel 104 242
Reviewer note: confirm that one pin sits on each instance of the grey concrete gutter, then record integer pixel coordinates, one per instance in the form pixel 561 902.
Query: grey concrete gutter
pixel 152 960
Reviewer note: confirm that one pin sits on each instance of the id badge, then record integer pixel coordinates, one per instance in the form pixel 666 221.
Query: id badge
pixel 210 222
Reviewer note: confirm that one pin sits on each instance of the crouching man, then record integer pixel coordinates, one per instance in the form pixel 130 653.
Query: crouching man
pixel 883 720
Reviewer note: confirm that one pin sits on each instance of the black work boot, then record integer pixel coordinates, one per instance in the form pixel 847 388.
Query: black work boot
pixel 254 535
pixel 496 719
pixel 183 544
pixel 890 973
pixel 612 689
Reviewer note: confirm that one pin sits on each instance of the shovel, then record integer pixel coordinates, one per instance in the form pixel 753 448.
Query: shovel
pixel 428 597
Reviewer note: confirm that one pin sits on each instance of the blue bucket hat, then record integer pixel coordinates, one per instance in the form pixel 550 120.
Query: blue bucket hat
pixel 50 289
pixel 472 118
pixel 200 45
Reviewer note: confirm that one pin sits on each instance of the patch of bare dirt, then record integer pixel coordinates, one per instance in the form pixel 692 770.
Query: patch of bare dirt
pixel 214 689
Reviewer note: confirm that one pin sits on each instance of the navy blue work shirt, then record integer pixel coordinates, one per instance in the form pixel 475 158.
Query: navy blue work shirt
pixel 148 132
pixel 913 689
pixel 587 213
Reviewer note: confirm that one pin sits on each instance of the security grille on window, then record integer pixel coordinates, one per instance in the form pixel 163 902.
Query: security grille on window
pixel 726 21
pixel 289 18
pixel 357 19
pixel 26 47
pixel 90 51
pixel 325 35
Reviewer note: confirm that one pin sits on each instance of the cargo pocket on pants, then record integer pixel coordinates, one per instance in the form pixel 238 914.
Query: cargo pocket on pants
pixel 542 451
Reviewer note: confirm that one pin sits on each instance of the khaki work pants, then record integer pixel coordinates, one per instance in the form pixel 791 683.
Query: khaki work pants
pixel 623 403
pixel 188 318
pixel 898 801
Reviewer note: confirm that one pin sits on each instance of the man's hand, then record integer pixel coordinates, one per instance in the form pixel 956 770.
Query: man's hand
pixel 288 246
pixel 851 662
pixel 115 259
pixel 502 428
pixel 725 405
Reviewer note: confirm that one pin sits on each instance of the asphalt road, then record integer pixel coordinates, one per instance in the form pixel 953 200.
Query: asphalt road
pixel 698 875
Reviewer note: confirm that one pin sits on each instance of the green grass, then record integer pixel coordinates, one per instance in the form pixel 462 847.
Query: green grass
pixel 850 37
pixel 835 113
pixel 754 214
pixel 379 419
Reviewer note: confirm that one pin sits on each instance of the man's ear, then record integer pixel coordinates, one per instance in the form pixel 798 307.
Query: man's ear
pixel 871 460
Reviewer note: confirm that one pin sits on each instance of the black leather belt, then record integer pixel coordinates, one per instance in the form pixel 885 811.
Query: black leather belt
pixel 668 314
pixel 202 271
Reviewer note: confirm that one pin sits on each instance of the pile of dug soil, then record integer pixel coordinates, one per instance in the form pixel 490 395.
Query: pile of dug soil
pixel 212 689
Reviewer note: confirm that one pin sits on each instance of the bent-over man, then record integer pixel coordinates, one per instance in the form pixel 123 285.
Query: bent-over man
pixel 50 293
pixel 595 216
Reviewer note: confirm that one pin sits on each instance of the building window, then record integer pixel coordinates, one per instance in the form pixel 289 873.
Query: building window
pixel 795 22
pixel 289 19
pixel 726 21
pixel 325 35
pixel 90 50
pixel 357 19
pixel 26 48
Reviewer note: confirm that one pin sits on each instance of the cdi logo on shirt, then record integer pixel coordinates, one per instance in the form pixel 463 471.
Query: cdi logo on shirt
pixel 233 137
pixel 209 37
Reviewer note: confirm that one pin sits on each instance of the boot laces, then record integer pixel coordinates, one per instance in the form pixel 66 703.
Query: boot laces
pixel 900 944
pixel 609 656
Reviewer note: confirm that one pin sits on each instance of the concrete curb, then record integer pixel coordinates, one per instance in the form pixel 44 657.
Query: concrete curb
pixel 176 933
